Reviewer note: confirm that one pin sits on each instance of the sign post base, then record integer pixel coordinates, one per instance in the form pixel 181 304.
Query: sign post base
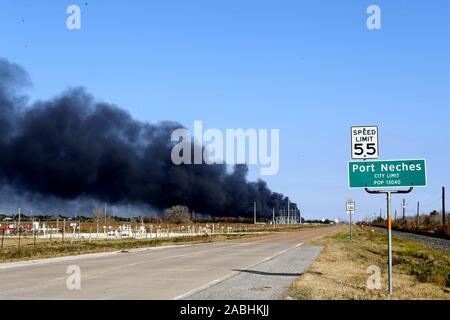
pixel 389 227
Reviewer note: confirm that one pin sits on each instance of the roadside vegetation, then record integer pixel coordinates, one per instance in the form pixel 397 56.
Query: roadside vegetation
pixel 38 248
pixel 341 271
pixel 430 223
pixel 45 237
pixel 43 248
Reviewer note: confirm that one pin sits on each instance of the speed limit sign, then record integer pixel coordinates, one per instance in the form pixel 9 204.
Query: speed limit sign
pixel 364 140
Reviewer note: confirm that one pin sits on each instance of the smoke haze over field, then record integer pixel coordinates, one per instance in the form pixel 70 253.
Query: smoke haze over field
pixel 73 147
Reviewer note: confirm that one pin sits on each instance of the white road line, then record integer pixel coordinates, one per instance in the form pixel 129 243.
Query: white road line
pixel 232 274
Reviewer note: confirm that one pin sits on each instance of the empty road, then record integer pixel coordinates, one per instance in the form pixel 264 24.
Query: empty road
pixel 174 272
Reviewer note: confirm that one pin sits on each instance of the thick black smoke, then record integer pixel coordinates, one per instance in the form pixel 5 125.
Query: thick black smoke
pixel 73 146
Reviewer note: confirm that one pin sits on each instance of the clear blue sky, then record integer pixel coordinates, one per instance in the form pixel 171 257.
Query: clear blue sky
pixel 310 68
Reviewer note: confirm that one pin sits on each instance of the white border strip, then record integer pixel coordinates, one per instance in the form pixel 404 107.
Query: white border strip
pixel 393 187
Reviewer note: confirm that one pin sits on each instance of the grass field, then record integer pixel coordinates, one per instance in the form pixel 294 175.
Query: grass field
pixel 341 271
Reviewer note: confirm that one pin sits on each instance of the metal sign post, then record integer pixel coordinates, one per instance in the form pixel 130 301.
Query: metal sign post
pixel 350 208
pixel 389 227
pixel 351 226
pixel 381 174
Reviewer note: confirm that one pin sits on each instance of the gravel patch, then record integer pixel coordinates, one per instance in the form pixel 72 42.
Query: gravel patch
pixel 265 281
pixel 441 244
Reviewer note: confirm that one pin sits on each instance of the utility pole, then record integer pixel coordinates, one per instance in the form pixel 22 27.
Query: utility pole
pixel 395 215
pixel 443 206
pixel 380 212
pixel 273 216
pixel 418 213
pixel 404 207
pixel 288 222
pixel 300 215
pixel 254 212
pixel 19 218
pixel 105 213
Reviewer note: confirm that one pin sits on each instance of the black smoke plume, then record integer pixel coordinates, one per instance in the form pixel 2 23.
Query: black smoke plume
pixel 74 147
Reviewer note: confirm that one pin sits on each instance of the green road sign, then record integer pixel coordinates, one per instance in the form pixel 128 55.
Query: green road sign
pixel 387 174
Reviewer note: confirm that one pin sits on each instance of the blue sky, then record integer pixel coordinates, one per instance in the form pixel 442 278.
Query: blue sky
pixel 310 68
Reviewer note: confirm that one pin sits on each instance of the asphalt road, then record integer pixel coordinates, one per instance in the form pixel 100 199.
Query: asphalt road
pixel 267 280
pixel 155 273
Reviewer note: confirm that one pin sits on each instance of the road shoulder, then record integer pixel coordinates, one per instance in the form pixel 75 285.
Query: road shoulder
pixel 348 269
pixel 265 281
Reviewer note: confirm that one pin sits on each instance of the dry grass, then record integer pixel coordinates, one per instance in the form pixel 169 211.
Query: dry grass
pixel 340 272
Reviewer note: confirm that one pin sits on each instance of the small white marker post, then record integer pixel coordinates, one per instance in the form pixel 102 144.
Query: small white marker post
pixel 350 208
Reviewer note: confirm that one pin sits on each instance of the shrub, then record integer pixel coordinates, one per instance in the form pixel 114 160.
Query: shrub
pixel 177 214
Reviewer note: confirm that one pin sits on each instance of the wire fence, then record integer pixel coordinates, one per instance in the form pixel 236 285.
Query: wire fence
pixel 15 235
